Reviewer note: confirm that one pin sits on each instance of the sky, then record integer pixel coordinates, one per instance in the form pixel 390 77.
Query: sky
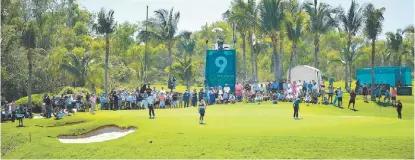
pixel 195 13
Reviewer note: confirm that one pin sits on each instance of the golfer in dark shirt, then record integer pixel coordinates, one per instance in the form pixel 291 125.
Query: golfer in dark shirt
pixel 399 109
pixel 352 99
pixel 115 98
pixel 296 107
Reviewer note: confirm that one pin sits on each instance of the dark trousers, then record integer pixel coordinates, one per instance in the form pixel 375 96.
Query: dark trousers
pixel 399 113
pixel 115 106
pixel 186 103
pixel 13 115
pixel 194 102
pixel 350 102
pixel 151 110
pixel 48 111
pixel 296 107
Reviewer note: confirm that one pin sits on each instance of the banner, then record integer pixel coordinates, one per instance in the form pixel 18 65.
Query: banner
pixel 220 68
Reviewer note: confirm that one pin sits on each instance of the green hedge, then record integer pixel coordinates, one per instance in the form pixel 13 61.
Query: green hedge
pixel 37 99
pixel 71 90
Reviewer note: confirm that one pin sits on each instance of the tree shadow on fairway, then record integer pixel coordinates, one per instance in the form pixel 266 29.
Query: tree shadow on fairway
pixel 381 104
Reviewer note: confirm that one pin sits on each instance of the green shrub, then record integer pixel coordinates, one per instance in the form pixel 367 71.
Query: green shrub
pixel 67 90
pixel 71 90
pixel 99 91
pixel 83 90
pixel 37 99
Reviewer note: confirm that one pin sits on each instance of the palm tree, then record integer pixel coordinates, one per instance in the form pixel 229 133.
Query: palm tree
pixel 321 21
pixel 78 66
pixel 188 45
pixel 272 16
pixel 105 26
pixel 373 27
pixel 240 16
pixel 294 26
pixel 29 42
pixel 163 29
pixel 352 22
pixel 409 31
pixel 395 44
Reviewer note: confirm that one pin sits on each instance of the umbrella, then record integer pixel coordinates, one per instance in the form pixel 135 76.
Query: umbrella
pixel 217 30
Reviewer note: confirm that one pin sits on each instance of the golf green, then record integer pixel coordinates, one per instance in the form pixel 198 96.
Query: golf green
pixel 239 130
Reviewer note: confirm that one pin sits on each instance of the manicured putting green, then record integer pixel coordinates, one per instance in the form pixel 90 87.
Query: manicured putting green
pixel 230 131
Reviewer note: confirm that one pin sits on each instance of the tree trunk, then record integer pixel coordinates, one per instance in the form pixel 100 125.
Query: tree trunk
pixel 275 56
pixel 30 66
pixel 170 56
pixel 291 60
pixel 351 75
pixel 190 71
pixel 349 42
pixel 107 54
pixel 373 70
pixel 252 56
pixel 272 62
pixel 244 56
pixel 316 50
pixel 256 67
pixel 346 74
pixel 280 68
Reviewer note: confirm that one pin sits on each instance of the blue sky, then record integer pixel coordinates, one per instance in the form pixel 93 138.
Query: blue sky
pixel 195 13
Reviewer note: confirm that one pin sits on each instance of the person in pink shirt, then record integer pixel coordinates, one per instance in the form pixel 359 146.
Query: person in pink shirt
pixel 93 100
pixel 238 89
pixel 294 88
pixel 393 95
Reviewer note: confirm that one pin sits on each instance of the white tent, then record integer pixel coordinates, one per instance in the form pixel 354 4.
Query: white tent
pixel 305 73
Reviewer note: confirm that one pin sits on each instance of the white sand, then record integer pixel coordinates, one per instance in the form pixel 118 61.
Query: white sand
pixel 38 117
pixel 100 135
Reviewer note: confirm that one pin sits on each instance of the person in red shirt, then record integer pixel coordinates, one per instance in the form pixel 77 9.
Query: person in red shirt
pixel 352 99
pixel 394 94
pixel 365 93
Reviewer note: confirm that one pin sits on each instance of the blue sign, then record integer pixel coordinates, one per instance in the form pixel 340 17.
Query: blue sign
pixel 220 68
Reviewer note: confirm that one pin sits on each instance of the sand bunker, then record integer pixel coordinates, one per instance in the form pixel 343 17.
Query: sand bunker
pixel 101 134
pixel 38 117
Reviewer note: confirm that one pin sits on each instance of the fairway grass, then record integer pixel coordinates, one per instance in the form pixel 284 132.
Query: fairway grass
pixel 231 131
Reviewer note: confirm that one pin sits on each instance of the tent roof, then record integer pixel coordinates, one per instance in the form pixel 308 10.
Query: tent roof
pixel 305 66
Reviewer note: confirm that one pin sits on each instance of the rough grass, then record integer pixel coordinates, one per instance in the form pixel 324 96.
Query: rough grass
pixel 231 131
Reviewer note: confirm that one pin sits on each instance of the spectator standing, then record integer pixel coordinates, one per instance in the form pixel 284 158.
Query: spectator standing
pixel 93 101
pixel 352 99
pixel 194 98
pixel 186 98
pixel 394 94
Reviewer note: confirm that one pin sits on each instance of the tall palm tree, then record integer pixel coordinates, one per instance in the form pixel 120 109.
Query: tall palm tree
pixel 395 44
pixel 29 42
pixel 272 17
pixel 409 31
pixel 188 45
pixel 294 26
pixel 163 29
pixel 321 21
pixel 351 22
pixel 239 15
pixel 373 27
pixel 105 26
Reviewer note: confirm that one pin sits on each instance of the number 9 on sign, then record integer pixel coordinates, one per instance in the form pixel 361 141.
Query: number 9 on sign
pixel 221 62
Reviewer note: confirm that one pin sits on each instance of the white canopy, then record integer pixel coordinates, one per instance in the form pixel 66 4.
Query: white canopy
pixel 305 73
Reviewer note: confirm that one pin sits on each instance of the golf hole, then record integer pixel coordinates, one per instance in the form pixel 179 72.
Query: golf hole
pixel 101 134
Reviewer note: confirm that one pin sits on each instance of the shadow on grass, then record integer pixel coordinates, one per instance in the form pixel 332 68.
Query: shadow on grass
pixel 381 104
